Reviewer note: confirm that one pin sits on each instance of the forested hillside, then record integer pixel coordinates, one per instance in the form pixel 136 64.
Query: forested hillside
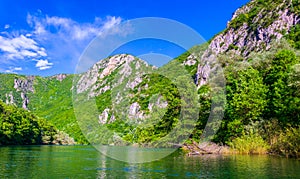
pixel 260 108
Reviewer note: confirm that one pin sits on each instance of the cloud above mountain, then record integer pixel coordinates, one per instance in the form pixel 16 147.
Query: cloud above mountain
pixel 49 40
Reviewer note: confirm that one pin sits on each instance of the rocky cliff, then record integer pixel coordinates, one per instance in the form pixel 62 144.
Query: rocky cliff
pixel 252 28
pixel 118 76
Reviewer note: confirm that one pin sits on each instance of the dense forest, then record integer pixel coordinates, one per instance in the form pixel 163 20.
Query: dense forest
pixel 262 110
pixel 21 127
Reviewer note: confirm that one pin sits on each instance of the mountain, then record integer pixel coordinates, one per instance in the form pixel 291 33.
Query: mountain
pixel 247 75
pixel 253 28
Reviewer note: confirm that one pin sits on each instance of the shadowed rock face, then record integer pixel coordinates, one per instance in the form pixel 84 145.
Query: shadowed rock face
pixel 254 34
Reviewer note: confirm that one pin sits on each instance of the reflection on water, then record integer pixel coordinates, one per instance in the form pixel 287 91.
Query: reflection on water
pixel 86 162
pixel 132 154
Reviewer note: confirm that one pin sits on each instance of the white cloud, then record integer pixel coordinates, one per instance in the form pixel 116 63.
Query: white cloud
pixel 20 47
pixel 43 64
pixel 67 27
pixel 18 69
pixel 111 22
pixel 7 26
pixel 13 69
pixel 53 37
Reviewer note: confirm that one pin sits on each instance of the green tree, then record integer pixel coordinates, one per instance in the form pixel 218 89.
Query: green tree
pixel 246 101
pixel 282 100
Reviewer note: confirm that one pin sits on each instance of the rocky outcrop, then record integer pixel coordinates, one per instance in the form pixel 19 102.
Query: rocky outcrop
pixel 99 71
pixel 101 76
pixel 9 98
pixel 190 61
pixel 254 34
pixel 24 86
pixel 62 138
pixel 59 77
pixel 204 148
pixel 135 112
pixel 25 100
pixel 104 117
pixel 159 103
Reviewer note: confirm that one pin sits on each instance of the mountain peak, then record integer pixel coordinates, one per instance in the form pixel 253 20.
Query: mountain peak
pixel 98 73
pixel 254 26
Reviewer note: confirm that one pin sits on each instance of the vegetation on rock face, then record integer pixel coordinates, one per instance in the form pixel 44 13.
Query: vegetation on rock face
pixel 263 8
pixel 294 36
pixel 258 92
pixel 52 100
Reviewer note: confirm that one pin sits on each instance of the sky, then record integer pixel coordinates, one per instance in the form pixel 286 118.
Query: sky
pixel 50 37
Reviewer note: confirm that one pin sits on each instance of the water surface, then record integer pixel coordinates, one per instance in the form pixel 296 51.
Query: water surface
pixel 86 162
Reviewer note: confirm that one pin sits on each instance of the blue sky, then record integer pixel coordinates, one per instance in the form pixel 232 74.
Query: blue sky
pixel 48 37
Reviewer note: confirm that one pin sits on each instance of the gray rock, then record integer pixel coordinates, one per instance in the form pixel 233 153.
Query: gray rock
pixel 24 86
pixel 59 77
pixel 246 40
pixel 9 98
pixel 104 116
pixel 135 112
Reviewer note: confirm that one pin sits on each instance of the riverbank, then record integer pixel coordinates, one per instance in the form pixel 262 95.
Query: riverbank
pixel 204 148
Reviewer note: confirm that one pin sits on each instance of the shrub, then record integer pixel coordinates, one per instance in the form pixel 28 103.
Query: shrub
pixel 288 143
pixel 249 144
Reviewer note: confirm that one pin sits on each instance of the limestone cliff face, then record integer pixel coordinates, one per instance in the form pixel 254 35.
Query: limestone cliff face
pixel 119 75
pixel 24 86
pixel 94 79
pixel 252 28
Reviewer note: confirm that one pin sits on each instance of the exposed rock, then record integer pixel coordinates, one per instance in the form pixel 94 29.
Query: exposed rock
pixel 160 103
pixel 191 60
pixel 134 83
pixel 25 100
pixel 93 81
pixel 241 10
pixel 24 86
pixel 59 77
pixel 204 148
pixel 202 74
pixel 244 39
pixel 135 111
pixel 112 119
pixel 9 98
pixel 104 116
pixel 247 39
pixel 62 138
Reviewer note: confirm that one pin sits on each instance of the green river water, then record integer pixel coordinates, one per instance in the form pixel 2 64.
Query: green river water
pixel 86 162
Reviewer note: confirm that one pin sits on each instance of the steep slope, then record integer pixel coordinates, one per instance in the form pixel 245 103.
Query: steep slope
pixel 126 99
pixel 252 28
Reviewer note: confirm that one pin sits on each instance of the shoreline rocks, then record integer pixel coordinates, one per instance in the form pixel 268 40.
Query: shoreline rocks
pixel 204 148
